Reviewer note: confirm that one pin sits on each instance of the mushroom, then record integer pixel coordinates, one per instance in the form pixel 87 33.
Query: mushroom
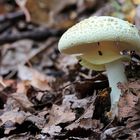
pixel 98 42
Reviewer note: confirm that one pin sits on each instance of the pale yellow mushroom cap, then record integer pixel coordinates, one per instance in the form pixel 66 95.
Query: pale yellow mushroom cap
pixel 99 40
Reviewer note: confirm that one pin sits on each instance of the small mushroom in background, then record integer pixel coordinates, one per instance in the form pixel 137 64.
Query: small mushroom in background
pixel 98 42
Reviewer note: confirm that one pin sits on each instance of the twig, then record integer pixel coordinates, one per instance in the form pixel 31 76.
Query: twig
pixel 37 34
pixel 108 125
pixel 12 17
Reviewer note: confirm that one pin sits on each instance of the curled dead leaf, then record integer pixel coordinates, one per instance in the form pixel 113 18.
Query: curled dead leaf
pixel 36 78
pixel 59 114
pixel 14 116
pixel 129 99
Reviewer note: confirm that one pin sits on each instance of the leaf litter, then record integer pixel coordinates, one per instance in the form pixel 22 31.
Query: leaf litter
pixel 47 95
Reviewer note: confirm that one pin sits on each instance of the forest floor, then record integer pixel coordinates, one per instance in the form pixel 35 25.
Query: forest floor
pixel 45 95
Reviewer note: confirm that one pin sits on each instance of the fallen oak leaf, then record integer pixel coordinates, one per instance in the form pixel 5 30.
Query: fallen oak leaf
pixel 41 99
pixel 36 78
pixel 72 102
pixel 129 99
pixel 133 121
pixel 126 104
pixel 14 116
pixel 84 128
pixel 20 96
pixel 38 120
pixel 86 121
pixel 58 114
pixel 18 100
pixel 23 101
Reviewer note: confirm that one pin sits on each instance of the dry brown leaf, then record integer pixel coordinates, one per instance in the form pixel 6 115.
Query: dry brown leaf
pixel 46 11
pixel 38 11
pixel 71 101
pixel 129 99
pixel 21 95
pixel 38 120
pixel 90 124
pixel 4 7
pixel 137 2
pixel 134 121
pixel 9 82
pixel 19 52
pixel 17 98
pixel 13 116
pixel 135 85
pixel 10 118
pixel 86 121
pixel 126 104
pixel 22 99
pixel 59 114
pixel 22 87
pixel 36 78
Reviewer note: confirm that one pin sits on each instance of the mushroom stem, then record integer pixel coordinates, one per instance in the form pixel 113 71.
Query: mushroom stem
pixel 116 73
